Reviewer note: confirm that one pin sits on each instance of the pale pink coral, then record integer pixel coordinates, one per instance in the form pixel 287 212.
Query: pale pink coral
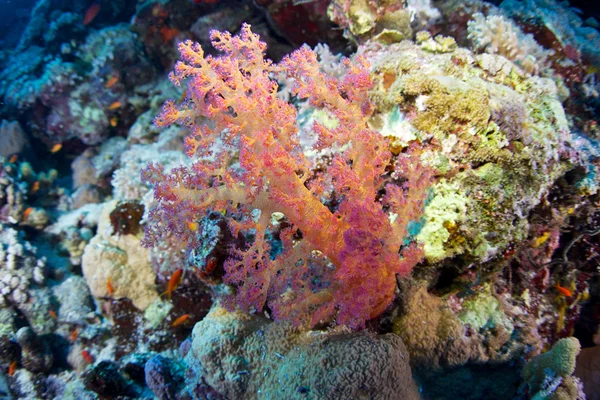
pixel 337 262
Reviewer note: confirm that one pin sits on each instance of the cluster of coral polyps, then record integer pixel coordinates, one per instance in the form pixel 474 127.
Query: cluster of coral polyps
pixel 334 253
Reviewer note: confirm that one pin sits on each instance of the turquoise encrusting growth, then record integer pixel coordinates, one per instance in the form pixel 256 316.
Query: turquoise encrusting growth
pixel 280 199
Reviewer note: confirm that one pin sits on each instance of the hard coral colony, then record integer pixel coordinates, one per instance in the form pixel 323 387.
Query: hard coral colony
pixel 340 255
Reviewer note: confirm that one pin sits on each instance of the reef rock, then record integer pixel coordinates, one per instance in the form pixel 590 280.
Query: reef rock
pixel 118 263
pixel 242 356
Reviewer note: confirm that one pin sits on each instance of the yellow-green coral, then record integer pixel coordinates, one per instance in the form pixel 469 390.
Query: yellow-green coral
pixel 447 105
pixel 439 44
pixel 362 17
pixel 156 312
pixel 446 209
pixel 484 123
pixel 483 311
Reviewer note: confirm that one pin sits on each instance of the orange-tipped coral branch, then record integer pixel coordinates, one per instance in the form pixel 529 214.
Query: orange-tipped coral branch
pixel 337 262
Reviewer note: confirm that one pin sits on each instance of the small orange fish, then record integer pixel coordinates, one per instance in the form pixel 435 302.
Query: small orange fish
pixel 91 13
pixel 193 226
pixel 13 158
pixel 180 320
pixel 173 282
pixel 12 368
pixel 564 291
pixel 56 148
pixel 114 121
pixel 26 213
pixel 87 356
pixel 114 105
pixel 53 314
pixel 111 82
pixel 109 286
pixel 35 187
pixel 73 336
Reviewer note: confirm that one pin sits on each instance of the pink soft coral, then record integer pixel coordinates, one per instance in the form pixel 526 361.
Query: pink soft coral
pixel 337 263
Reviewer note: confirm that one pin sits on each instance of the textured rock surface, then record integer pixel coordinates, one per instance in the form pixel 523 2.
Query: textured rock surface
pixel 122 259
pixel 249 357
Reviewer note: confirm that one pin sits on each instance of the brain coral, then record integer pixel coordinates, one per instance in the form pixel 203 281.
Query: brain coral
pixel 242 356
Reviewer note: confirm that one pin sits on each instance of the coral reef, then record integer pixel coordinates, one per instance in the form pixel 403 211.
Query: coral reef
pixel 74 298
pixel 24 195
pixel 484 330
pixel 36 355
pixel 383 21
pixel 388 21
pixel 410 209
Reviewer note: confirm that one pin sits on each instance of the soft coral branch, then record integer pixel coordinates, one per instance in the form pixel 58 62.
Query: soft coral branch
pixel 337 263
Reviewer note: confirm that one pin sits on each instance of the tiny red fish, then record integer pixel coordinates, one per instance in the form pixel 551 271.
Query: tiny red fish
pixel 73 336
pixel 180 320
pixel 13 158
pixel 111 82
pixel 91 13
pixel 87 356
pixel 114 105
pixel 35 187
pixel 109 286
pixel 173 282
pixel 27 212
pixel 211 264
pixel 53 314
pixel 56 148
pixel 12 368
pixel 564 291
